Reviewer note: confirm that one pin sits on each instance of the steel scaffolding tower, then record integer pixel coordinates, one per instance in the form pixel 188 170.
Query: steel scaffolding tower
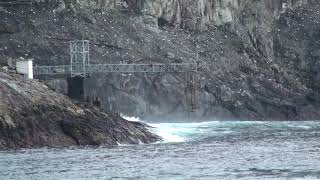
pixel 79 57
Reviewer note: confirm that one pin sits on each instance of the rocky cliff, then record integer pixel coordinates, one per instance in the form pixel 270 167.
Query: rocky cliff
pixel 257 69
pixel 32 115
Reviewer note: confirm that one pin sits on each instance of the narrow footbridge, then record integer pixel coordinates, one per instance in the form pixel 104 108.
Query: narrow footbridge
pixel 115 68
pixel 80 66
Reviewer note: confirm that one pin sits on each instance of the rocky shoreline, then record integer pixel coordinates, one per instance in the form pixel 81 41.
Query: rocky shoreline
pixel 33 115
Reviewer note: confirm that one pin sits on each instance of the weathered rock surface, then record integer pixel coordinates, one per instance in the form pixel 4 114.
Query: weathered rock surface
pixel 32 115
pixel 262 64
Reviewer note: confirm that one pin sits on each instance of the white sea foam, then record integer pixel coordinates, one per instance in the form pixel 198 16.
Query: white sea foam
pixel 128 118
pixel 300 126
pixel 181 132
pixel 167 132
pixel 174 132
pixel 304 127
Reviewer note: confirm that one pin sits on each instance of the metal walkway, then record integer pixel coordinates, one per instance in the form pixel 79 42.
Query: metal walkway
pixel 80 66
pixel 15 2
pixel 116 68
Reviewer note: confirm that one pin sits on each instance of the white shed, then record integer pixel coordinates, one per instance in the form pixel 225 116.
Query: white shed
pixel 25 66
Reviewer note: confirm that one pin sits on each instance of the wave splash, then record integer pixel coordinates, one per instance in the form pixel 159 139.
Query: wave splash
pixel 182 132
pixel 185 132
pixel 130 118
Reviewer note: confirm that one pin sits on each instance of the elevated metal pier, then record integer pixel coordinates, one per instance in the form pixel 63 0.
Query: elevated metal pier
pixel 80 66
pixel 15 2
pixel 115 68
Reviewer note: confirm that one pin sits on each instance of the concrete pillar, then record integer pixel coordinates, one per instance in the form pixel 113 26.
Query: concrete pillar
pixel 25 67
pixel 75 87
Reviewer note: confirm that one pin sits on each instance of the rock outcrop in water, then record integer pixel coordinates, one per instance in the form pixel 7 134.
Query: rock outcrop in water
pixel 32 115
pixel 258 70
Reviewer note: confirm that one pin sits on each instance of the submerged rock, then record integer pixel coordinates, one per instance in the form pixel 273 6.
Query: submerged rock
pixel 32 115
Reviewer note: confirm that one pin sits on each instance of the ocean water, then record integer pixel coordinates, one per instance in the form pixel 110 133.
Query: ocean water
pixel 207 150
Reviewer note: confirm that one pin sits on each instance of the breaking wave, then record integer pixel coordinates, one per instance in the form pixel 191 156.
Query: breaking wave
pixel 184 132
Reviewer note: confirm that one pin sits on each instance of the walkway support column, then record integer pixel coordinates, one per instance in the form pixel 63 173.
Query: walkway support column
pixel 76 87
pixel 25 67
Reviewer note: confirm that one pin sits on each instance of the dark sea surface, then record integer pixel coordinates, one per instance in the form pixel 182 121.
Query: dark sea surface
pixel 208 150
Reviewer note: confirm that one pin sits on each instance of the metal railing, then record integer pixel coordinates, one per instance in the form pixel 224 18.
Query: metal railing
pixel 51 70
pixel 142 68
pixel 15 2
pixel 117 68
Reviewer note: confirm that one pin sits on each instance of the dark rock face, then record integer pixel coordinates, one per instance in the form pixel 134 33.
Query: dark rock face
pixel 32 115
pixel 296 49
pixel 261 67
